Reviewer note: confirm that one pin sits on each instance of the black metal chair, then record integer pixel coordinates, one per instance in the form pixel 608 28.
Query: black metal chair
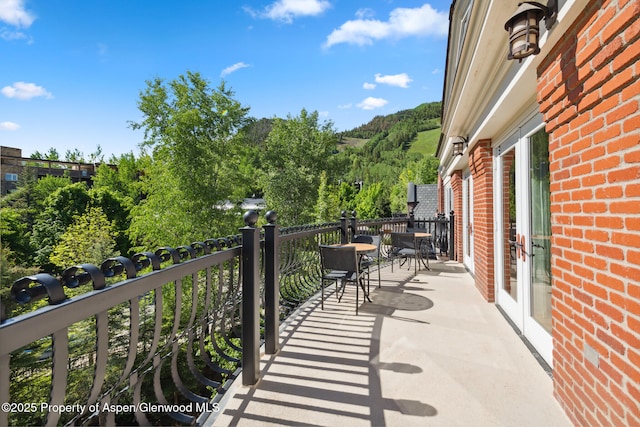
pixel 404 246
pixel 371 258
pixel 340 264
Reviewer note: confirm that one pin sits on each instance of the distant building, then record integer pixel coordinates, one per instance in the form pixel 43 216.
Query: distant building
pixel 12 165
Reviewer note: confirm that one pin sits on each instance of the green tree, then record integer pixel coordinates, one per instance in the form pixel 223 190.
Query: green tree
pixel 13 234
pixel 162 218
pixel 22 207
pixel 295 153
pixel 60 208
pixel 74 156
pixel 327 207
pixel 48 185
pixel 117 210
pixel 193 132
pixel 97 156
pixel 52 154
pixel 398 197
pixel 427 170
pixel 347 196
pixel 89 239
pixel 370 202
pixel 121 175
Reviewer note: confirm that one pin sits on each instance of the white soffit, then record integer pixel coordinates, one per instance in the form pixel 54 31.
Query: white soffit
pixel 491 90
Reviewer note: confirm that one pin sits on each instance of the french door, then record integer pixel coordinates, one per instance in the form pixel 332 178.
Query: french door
pixel 523 246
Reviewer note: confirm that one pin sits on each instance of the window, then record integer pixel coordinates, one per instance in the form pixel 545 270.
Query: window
pixel 13 177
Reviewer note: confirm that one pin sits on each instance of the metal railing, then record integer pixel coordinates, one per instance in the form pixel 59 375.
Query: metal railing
pixel 442 230
pixel 158 338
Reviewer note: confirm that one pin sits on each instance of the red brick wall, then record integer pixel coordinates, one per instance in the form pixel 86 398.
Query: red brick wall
pixel 589 93
pixel 481 165
pixel 456 186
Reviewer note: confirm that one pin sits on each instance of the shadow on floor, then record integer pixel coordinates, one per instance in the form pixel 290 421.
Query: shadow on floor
pixel 328 371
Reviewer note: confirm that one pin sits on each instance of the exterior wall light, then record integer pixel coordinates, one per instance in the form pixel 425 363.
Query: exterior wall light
pixel 524 27
pixel 459 145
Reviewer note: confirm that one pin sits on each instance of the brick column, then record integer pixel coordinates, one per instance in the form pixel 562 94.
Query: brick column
pixel 481 165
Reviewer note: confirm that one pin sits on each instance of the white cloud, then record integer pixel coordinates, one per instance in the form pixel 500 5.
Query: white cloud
pixel 287 10
pixel 403 22
pixel 12 35
pixel 9 126
pixel 344 106
pixel 323 113
pixel 369 86
pixel 22 90
pixel 371 103
pixel 365 13
pixel 13 13
pixel 234 67
pixel 400 80
pixel 436 71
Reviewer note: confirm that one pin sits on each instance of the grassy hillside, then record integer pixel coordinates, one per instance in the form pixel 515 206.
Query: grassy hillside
pixel 426 142
pixel 351 142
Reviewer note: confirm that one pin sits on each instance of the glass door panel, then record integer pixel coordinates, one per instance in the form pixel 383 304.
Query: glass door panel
pixel 511 243
pixel 540 230
pixel 524 245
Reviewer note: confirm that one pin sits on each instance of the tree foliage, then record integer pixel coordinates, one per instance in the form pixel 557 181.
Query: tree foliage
pixel 89 239
pixel 58 213
pixel 327 207
pixel 193 133
pixel 370 202
pixel 201 152
pixel 295 154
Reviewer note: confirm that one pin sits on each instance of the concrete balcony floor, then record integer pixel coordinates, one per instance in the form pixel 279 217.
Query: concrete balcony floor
pixel 428 351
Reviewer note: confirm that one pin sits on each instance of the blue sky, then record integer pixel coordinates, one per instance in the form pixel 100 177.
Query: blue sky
pixel 71 71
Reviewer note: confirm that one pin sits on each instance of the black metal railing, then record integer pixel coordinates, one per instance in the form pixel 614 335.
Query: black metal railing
pixel 442 230
pixel 158 338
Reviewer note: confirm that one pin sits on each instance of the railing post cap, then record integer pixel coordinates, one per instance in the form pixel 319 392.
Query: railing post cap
pixel 343 214
pixel 250 218
pixel 271 217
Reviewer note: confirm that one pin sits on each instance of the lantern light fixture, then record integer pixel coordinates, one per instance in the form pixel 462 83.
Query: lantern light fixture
pixel 459 144
pixel 524 27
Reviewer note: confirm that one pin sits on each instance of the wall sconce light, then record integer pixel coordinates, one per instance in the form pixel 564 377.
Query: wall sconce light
pixel 524 27
pixel 459 145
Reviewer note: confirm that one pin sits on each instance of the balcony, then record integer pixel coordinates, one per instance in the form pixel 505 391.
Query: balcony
pixel 427 351
pixel 160 338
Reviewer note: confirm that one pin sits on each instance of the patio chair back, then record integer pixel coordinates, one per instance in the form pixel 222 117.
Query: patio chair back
pixel 403 245
pixel 339 258
pixel 340 264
